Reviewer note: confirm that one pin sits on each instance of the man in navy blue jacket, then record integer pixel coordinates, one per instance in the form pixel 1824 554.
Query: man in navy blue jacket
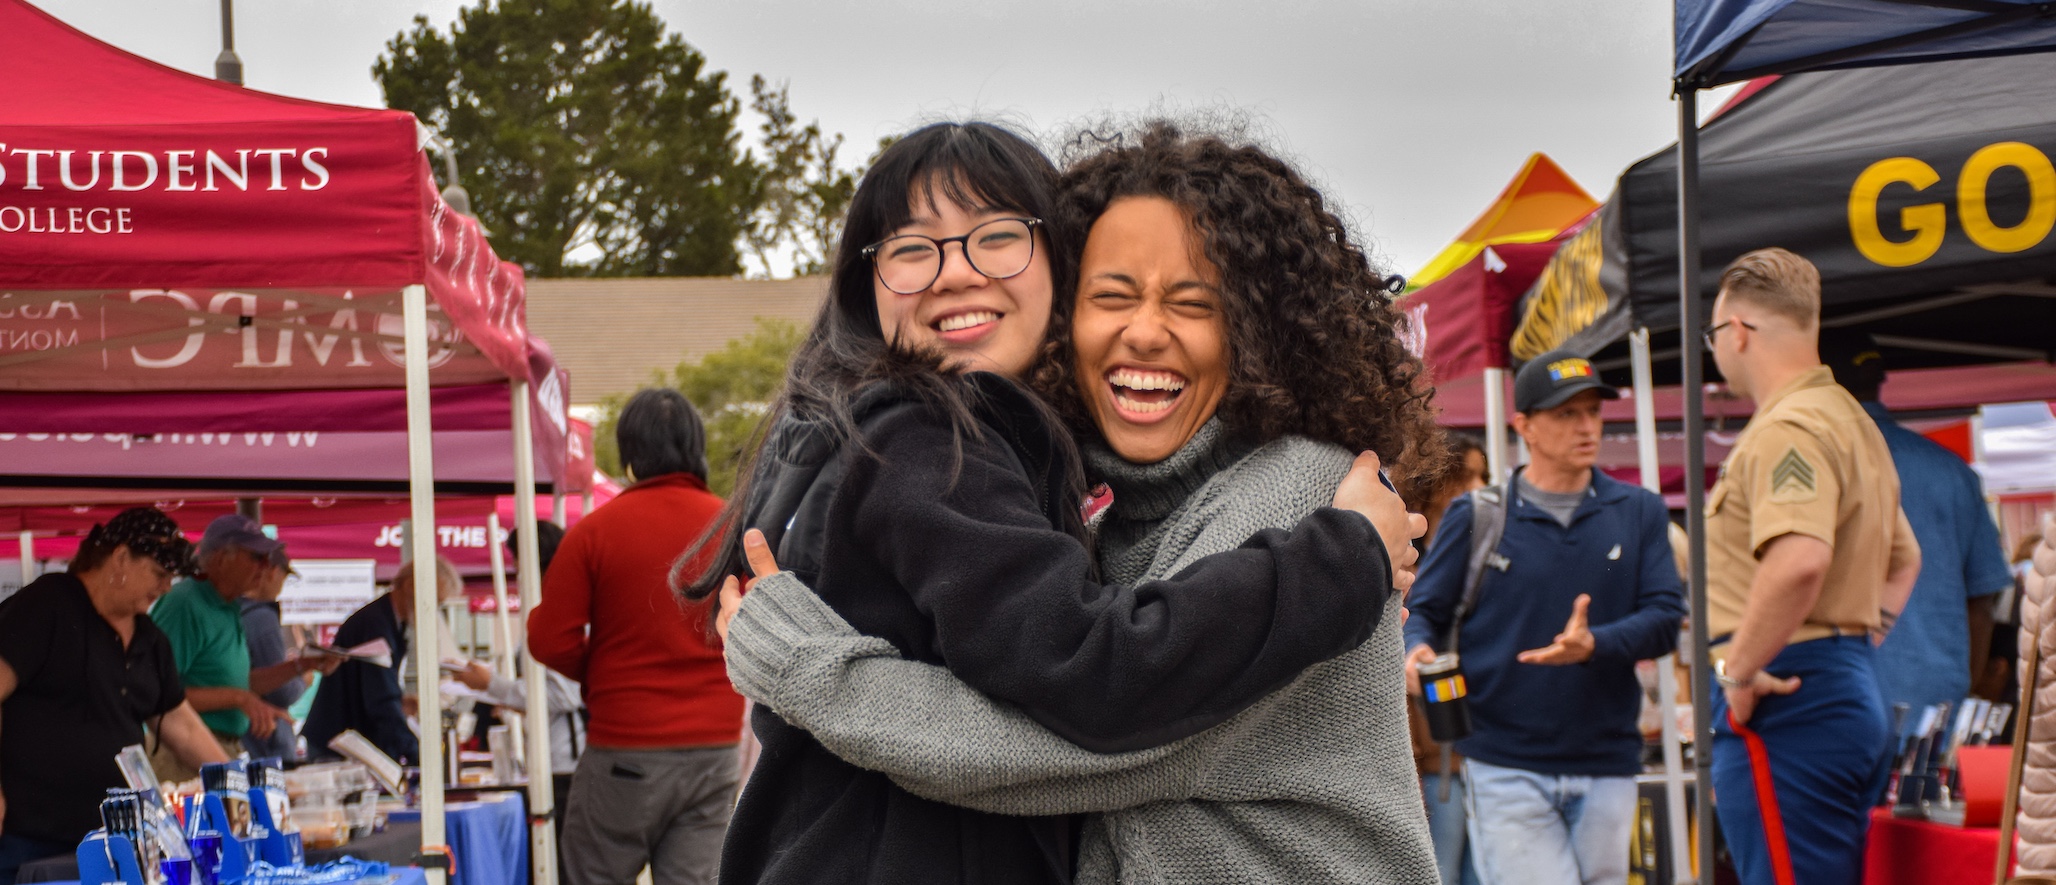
pixel 1584 585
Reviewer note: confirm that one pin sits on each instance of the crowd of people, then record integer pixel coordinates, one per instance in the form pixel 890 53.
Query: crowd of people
pixel 955 673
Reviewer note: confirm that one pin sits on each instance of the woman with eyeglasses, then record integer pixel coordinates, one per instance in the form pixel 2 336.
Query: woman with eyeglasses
pixel 1231 346
pixel 933 503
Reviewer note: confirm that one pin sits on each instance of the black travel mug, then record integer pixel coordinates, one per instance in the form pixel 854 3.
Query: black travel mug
pixel 1444 699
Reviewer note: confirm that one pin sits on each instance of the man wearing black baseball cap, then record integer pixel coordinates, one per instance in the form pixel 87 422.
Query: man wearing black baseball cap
pixel 1582 574
pixel 204 618
pixel 82 671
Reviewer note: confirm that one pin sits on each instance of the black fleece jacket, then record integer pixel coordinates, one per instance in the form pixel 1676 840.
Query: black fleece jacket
pixel 972 571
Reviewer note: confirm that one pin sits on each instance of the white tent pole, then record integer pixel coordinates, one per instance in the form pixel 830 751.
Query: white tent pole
pixel 427 653
pixel 503 632
pixel 557 514
pixel 1495 424
pixel 28 557
pixel 1666 666
pixel 542 841
pixel 1645 410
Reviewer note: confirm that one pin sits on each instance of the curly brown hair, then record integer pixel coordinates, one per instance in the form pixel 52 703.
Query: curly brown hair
pixel 1314 341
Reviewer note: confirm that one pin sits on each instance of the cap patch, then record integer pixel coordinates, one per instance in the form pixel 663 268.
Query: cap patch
pixel 1564 370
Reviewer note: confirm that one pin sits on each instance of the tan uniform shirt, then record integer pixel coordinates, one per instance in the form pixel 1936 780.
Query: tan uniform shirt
pixel 1812 463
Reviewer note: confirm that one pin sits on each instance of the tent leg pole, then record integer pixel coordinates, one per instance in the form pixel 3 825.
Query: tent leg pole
pixel 542 836
pixel 28 557
pixel 1666 666
pixel 421 538
pixel 557 514
pixel 1495 424
pixel 503 632
pixel 1690 321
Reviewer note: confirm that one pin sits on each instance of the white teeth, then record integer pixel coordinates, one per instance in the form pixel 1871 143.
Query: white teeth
pixel 1137 379
pixel 1134 406
pixel 967 320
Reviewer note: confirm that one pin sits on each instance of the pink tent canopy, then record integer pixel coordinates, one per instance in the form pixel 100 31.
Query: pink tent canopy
pixel 350 440
pixel 1462 322
pixel 312 527
pixel 160 231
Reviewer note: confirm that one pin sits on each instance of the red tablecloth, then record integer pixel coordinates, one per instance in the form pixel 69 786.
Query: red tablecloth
pixel 1915 852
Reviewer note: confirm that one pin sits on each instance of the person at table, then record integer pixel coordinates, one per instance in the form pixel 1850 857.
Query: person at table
pixel 203 617
pixel 1943 638
pixel 1808 559
pixel 364 696
pixel 566 705
pixel 83 670
pixel 264 632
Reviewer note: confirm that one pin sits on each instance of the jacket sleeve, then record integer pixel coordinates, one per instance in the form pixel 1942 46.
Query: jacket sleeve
pixel 557 628
pixel 1651 630
pixel 1111 668
pixel 385 721
pixel 1438 584
pixel 922 726
pixel 512 691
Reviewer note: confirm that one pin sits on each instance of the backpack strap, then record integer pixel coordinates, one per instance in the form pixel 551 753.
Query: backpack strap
pixel 1488 526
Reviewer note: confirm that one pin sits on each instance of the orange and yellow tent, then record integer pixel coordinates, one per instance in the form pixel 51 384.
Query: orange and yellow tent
pixel 1537 205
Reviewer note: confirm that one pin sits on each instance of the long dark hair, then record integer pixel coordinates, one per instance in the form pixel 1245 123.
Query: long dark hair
pixel 1314 343
pixel 970 164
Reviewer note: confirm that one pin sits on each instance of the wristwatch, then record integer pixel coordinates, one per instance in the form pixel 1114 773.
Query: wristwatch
pixel 1720 675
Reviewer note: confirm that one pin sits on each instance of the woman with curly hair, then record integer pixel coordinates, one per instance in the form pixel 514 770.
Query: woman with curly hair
pixel 928 498
pixel 1231 346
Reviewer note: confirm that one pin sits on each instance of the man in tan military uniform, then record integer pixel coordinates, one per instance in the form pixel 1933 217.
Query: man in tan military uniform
pixel 1809 558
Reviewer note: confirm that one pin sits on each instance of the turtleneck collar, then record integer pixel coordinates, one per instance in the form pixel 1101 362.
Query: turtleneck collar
pixel 1152 491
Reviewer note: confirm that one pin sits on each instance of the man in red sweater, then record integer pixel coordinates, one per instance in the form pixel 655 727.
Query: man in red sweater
pixel 657 783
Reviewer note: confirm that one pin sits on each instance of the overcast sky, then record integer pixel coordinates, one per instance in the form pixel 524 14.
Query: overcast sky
pixel 1411 113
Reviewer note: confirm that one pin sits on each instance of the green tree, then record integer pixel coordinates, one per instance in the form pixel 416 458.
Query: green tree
pixel 583 124
pixel 732 387
pixel 803 194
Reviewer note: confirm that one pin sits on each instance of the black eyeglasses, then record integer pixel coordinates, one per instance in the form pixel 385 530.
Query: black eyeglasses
pixel 1709 333
pixel 998 249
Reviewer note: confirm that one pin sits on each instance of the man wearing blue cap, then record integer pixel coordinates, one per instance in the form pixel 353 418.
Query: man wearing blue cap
pixel 1579 585
pixel 203 617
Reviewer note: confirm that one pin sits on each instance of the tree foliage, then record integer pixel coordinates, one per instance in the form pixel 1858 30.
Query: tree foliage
pixel 583 126
pixel 803 194
pixel 732 387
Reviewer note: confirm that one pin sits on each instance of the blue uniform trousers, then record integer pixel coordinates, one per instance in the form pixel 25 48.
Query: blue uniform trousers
pixel 1823 746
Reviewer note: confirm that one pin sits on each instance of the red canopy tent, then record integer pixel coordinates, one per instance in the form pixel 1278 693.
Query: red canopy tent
pixel 162 233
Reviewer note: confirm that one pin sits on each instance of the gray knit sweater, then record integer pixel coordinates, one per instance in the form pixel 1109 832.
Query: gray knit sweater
pixel 1314 783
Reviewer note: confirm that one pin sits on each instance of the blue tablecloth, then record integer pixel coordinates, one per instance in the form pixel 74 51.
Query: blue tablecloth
pixel 402 876
pixel 488 837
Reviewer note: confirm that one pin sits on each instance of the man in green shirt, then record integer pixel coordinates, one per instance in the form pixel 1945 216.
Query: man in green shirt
pixel 203 617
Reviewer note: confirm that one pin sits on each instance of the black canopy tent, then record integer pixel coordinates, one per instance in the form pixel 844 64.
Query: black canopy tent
pixel 1925 194
pixel 1725 41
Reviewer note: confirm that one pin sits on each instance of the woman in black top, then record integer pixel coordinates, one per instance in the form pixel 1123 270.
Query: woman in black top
pixel 934 503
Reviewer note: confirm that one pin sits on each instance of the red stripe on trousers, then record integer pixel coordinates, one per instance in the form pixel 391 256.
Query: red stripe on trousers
pixel 1766 802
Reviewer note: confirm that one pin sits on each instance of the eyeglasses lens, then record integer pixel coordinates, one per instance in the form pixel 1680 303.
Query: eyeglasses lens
pixel 997 249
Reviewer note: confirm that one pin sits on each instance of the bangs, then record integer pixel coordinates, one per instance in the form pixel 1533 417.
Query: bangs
pixel 973 165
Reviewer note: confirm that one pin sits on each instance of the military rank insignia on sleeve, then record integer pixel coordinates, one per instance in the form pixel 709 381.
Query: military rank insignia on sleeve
pixel 1793 480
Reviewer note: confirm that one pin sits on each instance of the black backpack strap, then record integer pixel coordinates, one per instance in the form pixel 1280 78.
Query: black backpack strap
pixel 1488 526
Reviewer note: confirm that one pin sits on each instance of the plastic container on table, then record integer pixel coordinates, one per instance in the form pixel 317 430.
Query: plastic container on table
pixel 322 826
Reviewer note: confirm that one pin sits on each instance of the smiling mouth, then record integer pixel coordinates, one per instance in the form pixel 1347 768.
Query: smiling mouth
pixel 972 321
pixel 1145 391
